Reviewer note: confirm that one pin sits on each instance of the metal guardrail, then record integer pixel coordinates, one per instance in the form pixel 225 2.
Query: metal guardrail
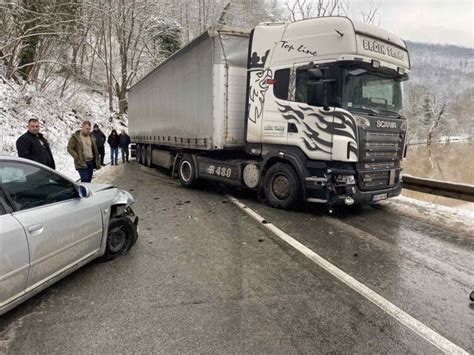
pixel 458 191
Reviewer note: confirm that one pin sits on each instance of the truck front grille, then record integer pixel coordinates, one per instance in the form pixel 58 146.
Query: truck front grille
pixel 380 153
pixel 380 146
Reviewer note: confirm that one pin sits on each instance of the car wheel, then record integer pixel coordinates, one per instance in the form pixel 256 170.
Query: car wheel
pixel 187 171
pixel 282 187
pixel 121 236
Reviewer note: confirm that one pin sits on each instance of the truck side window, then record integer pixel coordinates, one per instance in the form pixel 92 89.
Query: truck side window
pixel 329 80
pixel 301 86
pixel 280 88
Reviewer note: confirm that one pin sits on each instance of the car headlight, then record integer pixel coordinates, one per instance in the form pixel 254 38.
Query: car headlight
pixel 404 126
pixel 346 179
pixel 362 121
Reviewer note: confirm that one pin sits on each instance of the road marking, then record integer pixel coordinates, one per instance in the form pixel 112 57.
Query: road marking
pixel 407 320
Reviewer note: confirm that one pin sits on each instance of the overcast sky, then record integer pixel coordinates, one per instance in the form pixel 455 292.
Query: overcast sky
pixel 432 21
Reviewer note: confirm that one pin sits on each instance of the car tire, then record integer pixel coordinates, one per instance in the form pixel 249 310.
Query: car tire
pixel 282 187
pixel 187 171
pixel 121 236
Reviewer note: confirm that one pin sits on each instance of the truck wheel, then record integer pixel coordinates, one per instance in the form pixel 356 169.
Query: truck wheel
pixel 282 187
pixel 149 161
pixel 187 171
pixel 121 235
pixel 143 154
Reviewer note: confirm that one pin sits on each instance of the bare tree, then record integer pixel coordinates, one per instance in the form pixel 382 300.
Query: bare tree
pixel 303 9
pixel 371 14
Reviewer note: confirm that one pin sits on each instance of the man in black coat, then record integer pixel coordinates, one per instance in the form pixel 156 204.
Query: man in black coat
pixel 32 145
pixel 125 141
pixel 100 140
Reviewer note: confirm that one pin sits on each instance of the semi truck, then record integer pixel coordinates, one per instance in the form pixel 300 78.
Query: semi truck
pixel 299 111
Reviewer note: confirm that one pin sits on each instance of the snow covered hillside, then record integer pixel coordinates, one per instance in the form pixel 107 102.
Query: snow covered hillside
pixel 59 118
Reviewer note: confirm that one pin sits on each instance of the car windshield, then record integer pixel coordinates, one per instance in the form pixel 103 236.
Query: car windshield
pixel 371 92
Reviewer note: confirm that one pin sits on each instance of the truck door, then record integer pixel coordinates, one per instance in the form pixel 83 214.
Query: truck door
pixel 14 254
pixel 309 127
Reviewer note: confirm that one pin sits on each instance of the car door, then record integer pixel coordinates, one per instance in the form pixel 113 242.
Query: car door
pixel 62 229
pixel 14 254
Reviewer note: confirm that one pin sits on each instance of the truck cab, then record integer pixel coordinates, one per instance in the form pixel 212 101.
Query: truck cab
pixel 325 98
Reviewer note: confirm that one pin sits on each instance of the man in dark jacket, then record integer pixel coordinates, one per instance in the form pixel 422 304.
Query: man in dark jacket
pixel 32 145
pixel 83 149
pixel 125 141
pixel 100 139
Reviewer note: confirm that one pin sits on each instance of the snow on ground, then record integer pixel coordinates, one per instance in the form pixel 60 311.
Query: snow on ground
pixel 59 119
pixel 459 219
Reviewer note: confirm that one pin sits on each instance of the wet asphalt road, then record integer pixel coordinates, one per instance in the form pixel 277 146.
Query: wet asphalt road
pixel 206 278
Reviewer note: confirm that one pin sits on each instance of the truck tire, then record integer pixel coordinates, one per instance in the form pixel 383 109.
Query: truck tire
pixel 282 187
pixel 149 161
pixel 187 171
pixel 144 154
pixel 121 236
pixel 138 153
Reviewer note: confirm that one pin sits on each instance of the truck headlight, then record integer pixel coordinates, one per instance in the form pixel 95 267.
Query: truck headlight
pixel 404 126
pixel 362 121
pixel 346 179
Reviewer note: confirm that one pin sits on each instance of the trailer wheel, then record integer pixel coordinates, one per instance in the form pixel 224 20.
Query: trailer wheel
pixel 187 171
pixel 143 154
pixel 149 161
pixel 138 153
pixel 282 187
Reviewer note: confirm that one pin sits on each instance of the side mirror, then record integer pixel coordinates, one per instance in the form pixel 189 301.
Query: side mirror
pixel 316 93
pixel 315 74
pixel 84 192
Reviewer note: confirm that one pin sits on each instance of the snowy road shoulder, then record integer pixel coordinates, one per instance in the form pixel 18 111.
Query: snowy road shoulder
pixel 446 217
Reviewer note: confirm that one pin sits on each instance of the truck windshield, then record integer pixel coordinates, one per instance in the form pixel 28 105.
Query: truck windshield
pixel 371 92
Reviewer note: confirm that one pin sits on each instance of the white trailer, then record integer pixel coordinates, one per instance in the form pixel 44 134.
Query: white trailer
pixel 302 111
pixel 196 98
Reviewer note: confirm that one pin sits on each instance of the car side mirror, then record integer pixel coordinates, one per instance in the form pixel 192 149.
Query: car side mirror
pixel 84 192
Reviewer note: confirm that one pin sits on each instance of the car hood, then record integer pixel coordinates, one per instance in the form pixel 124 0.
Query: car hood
pixel 121 197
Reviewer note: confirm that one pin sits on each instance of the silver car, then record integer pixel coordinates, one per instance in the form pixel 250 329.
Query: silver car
pixel 51 226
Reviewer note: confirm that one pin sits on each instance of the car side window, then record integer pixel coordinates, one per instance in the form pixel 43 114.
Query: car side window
pixel 29 186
